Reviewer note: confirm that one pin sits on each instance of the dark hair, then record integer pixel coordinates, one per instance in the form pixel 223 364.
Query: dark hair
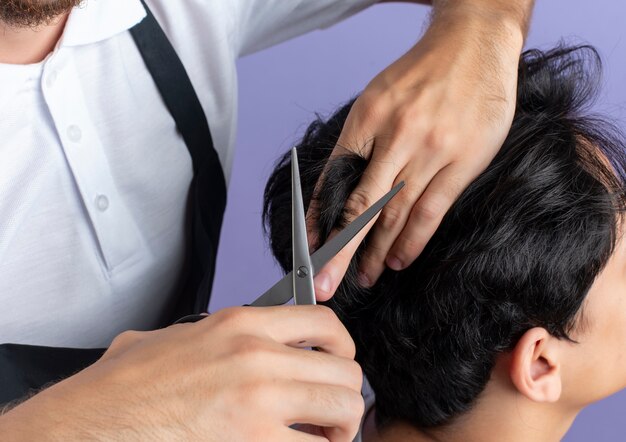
pixel 519 249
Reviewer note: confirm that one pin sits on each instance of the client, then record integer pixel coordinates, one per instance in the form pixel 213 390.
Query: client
pixel 513 318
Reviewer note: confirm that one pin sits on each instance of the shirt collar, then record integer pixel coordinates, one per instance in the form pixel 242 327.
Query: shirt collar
pixel 97 20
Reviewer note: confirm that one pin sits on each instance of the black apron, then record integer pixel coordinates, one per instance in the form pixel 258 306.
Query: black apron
pixel 25 368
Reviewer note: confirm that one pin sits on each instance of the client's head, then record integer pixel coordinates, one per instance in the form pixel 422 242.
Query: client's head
pixel 521 292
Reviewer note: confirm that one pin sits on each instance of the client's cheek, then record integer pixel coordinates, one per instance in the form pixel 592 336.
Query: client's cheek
pixel 606 326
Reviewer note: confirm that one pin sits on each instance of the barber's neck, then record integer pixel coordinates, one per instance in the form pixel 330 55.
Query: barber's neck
pixel 29 45
pixel 500 413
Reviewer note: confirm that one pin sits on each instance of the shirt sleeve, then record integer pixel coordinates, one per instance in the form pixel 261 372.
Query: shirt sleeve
pixel 263 23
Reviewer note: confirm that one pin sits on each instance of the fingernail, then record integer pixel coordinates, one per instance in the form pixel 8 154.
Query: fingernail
pixel 394 263
pixel 322 282
pixel 364 281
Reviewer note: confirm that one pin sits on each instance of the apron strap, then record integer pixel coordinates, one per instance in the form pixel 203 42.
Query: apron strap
pixel 175 87
pixel 208 189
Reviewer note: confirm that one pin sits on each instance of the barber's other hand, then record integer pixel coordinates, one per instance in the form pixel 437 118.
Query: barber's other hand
pixel 434 119
pixel 241 374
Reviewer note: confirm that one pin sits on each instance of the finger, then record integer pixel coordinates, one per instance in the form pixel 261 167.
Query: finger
pixel 427 214
pixel 302 325
pixel 393 219
pixel 338 409
pixel 298 364
pixel 341 148
pixel 352 140
pixel 374 184
pixel 320 368
pixel 359 130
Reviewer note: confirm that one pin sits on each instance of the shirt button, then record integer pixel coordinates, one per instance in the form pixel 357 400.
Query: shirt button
pixel 52 78
pixel 74 133
pixel 102 203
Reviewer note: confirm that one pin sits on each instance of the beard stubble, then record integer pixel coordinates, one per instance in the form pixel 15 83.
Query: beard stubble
pixel 33 13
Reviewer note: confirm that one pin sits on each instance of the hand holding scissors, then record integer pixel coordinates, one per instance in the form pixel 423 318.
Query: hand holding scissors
pixel 242 372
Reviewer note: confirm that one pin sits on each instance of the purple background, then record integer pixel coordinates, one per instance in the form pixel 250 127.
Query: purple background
pixel 281 88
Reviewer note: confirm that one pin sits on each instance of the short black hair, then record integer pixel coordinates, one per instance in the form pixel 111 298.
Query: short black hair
pixel 519 249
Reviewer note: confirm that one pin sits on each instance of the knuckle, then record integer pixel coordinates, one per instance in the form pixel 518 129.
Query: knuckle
pixel 327 316
pixel 429 209
pixel 249 349
pixel 440 139
pixel 359 405
pixel 408 119
pixel 391 218
pixel 354 406
pixel 356 375
pixel 259 391
pixel 409 248
pixel 230 318
pixel 358 202
pixel 334 328
pixel 351 346
pixel 255 395
pixel 366 107
pixel 125 338
pixel 372 259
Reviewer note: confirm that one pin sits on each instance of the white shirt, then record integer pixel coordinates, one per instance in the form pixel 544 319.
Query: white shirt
pixel 94 176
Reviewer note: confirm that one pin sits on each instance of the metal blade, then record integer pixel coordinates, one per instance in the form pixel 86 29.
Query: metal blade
pixel 303 291
pixel 282 291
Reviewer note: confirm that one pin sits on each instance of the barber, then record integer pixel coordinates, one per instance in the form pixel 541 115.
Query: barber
pixel 117 124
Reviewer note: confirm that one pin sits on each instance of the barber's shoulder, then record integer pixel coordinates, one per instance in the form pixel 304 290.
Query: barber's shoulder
pixel 193 17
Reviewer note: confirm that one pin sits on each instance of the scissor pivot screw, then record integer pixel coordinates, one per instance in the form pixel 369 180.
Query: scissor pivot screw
pixel 302 272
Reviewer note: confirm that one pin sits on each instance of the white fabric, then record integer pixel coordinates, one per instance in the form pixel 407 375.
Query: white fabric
pixel 93 175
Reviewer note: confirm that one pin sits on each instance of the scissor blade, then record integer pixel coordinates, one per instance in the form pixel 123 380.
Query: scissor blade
pixel 332 247
pixel 281 292
pixel 302 275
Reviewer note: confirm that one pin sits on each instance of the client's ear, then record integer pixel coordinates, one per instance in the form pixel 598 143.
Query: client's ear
pixel 535 366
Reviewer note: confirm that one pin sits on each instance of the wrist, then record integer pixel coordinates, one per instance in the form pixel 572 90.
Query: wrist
pixel 507 20
pixel 54 414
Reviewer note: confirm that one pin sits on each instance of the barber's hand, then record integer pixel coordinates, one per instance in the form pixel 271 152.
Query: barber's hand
pixel 434 119
pixel 241 374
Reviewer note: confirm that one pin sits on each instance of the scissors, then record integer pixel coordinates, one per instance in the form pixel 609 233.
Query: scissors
pixel 298 284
